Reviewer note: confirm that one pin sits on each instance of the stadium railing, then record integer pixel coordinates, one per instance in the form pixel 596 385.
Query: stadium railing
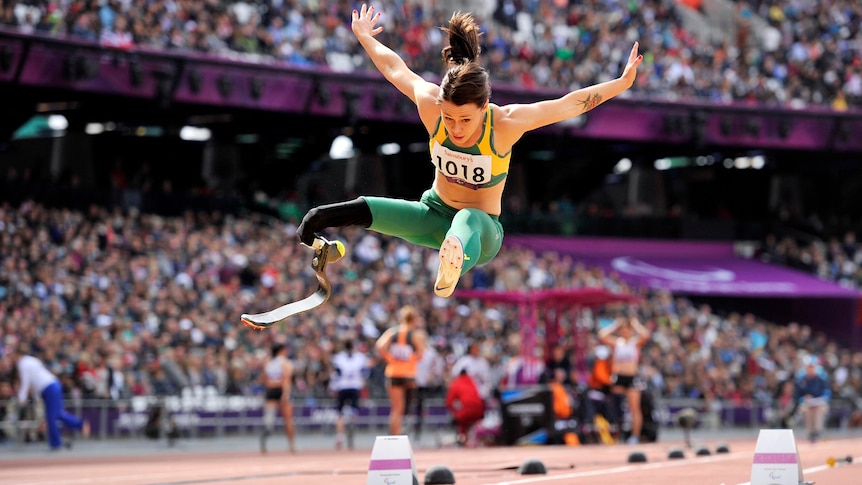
pixel 243 415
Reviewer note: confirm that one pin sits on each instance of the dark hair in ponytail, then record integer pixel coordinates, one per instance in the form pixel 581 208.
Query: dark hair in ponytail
pixel 465 81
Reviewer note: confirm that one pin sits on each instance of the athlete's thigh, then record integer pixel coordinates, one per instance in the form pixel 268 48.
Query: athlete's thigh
pixel 410 220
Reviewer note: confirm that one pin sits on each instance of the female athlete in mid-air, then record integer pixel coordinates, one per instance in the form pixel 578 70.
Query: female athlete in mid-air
pixel 471 144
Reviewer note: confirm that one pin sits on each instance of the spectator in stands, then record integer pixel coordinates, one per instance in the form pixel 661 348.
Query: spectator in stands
pixel 471 143
pixel 786 404
pixel 8 409
pixel 465 404
pixel 401 346
pixel 781 53
pixel 559 359
pixel 626 336
pixel 812 392
pixel 34 376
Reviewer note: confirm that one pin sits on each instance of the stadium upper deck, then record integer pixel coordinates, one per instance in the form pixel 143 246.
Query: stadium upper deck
pixel 783 52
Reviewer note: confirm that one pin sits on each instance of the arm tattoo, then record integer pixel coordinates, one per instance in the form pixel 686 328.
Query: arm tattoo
pixel 591 101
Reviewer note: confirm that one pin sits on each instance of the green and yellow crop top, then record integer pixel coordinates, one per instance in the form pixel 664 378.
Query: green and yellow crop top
pixel 476 167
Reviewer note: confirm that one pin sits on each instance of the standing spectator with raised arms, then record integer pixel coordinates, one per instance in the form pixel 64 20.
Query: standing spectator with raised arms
pixel 626 337
pixel 471 142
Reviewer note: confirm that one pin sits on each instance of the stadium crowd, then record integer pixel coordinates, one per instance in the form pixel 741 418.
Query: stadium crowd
pixel 121 303
pixel 807 53
pixel 836 259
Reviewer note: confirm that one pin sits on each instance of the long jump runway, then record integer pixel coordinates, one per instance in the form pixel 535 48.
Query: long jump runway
pixel 481 466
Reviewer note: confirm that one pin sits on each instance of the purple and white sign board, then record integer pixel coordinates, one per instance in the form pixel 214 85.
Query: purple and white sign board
pixel 776 459
pixel 704 268
pixel 392 461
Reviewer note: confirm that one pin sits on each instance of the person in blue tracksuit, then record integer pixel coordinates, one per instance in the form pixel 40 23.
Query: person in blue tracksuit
pixel 33 375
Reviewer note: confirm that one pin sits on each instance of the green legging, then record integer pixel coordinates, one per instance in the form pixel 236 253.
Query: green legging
pixel 429 221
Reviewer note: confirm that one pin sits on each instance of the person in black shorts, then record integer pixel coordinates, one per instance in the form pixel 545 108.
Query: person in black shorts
pixel 626 337
pixel 277 380
pixel 401 346
pixel 349 370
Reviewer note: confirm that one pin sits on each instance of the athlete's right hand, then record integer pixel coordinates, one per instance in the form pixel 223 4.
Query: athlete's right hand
pixel 364 21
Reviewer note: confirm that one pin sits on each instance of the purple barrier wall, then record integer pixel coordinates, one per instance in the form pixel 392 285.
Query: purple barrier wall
pixel 688 267
pixel 78 66
pixel 710 271
pixel 113 421
pixel 200 422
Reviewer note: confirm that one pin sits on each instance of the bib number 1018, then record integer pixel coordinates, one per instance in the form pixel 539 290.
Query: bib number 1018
pixel 451 168
pixel 468 169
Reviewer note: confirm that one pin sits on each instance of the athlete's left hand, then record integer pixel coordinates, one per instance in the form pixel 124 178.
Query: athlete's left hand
pixel 365 22
pixel 631 70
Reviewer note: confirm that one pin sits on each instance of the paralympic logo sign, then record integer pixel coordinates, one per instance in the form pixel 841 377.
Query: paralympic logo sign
pixel 705 277
pixel 634 266
pixel 707 268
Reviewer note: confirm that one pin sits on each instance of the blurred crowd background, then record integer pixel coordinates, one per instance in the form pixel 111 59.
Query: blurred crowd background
pixel 122 303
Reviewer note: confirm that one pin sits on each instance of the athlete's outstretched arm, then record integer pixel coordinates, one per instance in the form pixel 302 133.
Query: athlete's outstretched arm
pixel 521 118
pixel 390 64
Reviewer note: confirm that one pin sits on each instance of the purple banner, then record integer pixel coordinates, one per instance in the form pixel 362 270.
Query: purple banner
pixel 266 84
pixel 704 268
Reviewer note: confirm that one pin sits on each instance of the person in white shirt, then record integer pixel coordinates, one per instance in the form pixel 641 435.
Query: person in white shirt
pixel 34 376
pixel 477 367
pixel 626 336
pixel 349 370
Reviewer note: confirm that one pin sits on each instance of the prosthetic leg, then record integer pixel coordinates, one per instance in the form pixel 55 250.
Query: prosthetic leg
pixel 325 252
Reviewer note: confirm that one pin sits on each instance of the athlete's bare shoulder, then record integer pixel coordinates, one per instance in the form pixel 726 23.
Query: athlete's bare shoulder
pixel 506 133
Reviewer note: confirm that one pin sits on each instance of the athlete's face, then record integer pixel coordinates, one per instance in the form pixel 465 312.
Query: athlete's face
pixel 463 122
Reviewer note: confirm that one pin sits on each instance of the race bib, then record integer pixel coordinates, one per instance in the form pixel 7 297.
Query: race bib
pixel 401 352
pixel 472 171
